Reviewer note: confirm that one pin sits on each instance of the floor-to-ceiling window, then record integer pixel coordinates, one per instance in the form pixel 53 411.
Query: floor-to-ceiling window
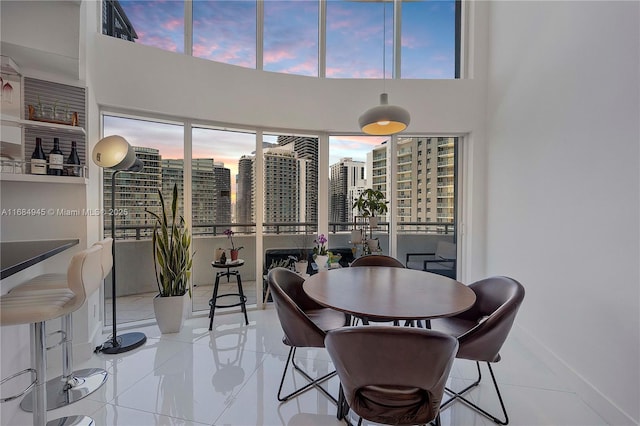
pixel 357 163
pixel 234 180
pixel 425 191
pixel 222 200
pixel 159 144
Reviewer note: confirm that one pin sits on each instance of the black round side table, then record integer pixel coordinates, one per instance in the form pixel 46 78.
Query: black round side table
pixel 228 272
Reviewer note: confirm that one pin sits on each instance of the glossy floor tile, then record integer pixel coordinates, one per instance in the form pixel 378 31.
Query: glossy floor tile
pixel 230 376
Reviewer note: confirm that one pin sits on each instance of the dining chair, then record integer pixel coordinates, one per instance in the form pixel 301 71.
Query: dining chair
pixel 304 323
pixel 380 379
pixel 377 260
pixel 482 330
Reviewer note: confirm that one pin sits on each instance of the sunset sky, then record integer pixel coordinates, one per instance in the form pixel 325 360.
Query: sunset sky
pixel 225 31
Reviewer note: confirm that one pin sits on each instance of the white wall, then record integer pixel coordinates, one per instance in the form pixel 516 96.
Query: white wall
pixel 563 185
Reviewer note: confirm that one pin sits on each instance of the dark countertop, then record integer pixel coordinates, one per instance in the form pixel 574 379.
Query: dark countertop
pixel 18 255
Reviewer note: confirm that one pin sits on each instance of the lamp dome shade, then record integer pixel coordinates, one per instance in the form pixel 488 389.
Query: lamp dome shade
pixel 114 152
pixel 384 119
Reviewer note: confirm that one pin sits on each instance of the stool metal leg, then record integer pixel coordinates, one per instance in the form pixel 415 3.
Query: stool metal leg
pixel 39 361
pixel 39 394
pixel 71 386
pixel 243 299
pixel 212 302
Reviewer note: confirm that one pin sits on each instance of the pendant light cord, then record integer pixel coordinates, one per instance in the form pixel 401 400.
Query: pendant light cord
pixel 384 47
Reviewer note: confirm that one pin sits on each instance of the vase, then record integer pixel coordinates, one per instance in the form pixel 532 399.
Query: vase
pixel 218 255
pixel 301 267
pixel 321 261
pixel 169 312
pixel 234 255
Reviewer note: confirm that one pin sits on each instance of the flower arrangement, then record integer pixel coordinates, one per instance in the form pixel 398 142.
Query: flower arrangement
pixel 320 247
pixel 229 233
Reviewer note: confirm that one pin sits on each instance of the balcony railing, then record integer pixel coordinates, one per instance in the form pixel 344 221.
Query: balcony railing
pixel 141 232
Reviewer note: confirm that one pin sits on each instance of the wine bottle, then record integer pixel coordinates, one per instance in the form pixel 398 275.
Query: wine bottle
pixel 56 159
pixel 73 159
pixel 38 159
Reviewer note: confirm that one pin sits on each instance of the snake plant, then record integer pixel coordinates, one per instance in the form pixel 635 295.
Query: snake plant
pixel 171 250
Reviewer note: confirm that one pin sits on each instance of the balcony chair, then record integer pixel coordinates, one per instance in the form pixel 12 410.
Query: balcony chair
pixel 482 330
pixel 37 305
pixel 304 323
pixel 380 379
pixel 377 260
pixel 83 279
pixel 441 262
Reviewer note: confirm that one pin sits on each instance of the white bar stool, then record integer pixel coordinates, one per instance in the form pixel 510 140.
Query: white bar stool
pixel 83 277
pixel 35 307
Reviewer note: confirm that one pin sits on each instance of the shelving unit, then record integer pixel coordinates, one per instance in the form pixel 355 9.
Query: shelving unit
pixel 22 142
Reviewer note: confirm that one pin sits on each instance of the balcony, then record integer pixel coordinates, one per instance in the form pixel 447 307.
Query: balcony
pixel 136 285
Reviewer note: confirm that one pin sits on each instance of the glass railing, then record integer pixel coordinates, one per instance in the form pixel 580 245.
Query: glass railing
pixel 136 285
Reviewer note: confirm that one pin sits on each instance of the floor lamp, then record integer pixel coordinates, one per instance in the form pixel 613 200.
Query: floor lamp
pixel 115 153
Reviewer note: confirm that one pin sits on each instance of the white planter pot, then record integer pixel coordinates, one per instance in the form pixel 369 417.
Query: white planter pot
pixel 170 312
pixel 301 267
pixel 373 221
pixel 321 261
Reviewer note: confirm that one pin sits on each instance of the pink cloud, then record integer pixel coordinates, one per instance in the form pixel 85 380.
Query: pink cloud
pixel 173 24
pixel 271 57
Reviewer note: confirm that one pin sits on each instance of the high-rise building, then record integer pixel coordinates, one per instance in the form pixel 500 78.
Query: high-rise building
pixel 244 190
pixel 203 194
pixel 210 190
pixel 281 186
pixel 306 148
pixel 425 178
pixel 134 192
pixel 221 193
pixel 347 181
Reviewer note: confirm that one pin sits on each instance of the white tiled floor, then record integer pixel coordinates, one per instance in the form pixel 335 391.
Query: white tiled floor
pixel 230 376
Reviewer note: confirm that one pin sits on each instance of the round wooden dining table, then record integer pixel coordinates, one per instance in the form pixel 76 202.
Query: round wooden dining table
pixel 380 292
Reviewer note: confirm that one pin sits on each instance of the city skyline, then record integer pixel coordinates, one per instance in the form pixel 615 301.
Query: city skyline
pixel 224 146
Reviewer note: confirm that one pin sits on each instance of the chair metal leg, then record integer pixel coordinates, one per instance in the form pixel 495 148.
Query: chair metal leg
pixel 459 395
pixel 312 382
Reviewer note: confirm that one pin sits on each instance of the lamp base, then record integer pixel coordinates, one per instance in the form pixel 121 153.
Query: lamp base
pixel 124 343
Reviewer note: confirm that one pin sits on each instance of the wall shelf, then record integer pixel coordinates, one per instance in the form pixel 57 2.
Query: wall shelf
pixel 31 124
pixel 25 177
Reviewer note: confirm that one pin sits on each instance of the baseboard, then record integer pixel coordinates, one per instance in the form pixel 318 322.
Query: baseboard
pixel 600 403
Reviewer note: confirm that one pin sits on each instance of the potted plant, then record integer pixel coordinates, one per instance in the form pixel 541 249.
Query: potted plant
pixel 234 251
pixel 302 259
pixel 320 253
pixel 369 203
pixel 172 261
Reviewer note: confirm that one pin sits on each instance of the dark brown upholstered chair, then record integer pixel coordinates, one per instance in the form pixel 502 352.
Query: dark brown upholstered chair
pixel 482 330
pixel 304 323
pixel 377 260
pixel 380 378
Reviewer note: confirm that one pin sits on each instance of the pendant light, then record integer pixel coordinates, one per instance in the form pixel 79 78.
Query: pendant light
pixel 384 119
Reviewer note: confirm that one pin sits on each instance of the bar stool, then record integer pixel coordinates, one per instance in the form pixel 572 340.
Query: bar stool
pixel 240 294
pixel 83 278
pixel 35 307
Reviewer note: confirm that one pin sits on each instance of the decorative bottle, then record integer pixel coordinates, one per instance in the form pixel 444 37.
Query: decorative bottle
pixel 56 159
pixel 73 159
pixel 38 159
